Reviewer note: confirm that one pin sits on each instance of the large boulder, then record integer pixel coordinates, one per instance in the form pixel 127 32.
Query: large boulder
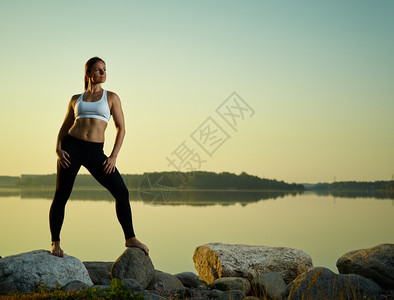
pixel 164 283
pixel 134 264
pixel 132 285
pixel 22 272
pixel 216 260
pixel 232 295
pixel 269 285
pixel 322 283
pixel 188 279
pixel 231 283
pixel 376 263
pixel 99 272
pixel 75 286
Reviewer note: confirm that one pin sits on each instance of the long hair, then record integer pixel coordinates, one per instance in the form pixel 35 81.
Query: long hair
pixel 89 64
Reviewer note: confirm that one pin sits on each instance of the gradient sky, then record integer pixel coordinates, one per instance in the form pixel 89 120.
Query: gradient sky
pixel 317 74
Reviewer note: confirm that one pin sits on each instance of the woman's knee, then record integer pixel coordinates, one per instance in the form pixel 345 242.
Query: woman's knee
pixel 61 196
pixel 122 194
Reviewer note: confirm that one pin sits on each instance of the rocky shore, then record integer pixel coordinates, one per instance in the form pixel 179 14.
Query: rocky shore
pixel 224 272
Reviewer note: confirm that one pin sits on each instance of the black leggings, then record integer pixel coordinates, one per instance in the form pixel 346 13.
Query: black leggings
pixel 91 156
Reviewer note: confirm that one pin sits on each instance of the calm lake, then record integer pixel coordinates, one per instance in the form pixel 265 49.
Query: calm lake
pixel 174 224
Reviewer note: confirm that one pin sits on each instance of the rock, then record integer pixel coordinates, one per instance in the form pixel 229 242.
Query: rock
pixel 185 293
pixel 75 286
pixel 321 283
pixel 158 288
pixel 376 263
pixel 152 296
pixel 215 294
pixel 231 283
pixel 132 284
pixel 188 279
pixel 134 264
pixel 206 293
pixel 23 271
pixel 251 298
pixel 99 272
pixel 203 285
pixel 269 285
pixel 164 283
pixel 216 260
pixel 232 295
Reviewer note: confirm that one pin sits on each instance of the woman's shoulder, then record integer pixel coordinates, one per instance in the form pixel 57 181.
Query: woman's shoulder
pixel 112 96
pixel 74 100
pixel 76 97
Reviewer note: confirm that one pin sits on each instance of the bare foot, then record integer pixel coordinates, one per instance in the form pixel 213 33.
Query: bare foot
pixel 56 250
pixel 133 242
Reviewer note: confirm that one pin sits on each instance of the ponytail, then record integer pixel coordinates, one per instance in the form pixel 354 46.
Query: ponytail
pixel 88 66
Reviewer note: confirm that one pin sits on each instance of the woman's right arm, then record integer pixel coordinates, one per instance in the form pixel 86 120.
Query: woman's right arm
pixel 63 156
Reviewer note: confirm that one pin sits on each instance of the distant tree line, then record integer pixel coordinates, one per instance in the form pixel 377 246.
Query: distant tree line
pixel 213 181
pixel 158 180
pixel 9 181
pixel 384 187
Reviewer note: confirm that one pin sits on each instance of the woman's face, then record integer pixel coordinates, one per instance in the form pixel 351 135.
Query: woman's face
pixel 98 72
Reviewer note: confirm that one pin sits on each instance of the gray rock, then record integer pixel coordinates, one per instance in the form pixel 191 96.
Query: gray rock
pixel 200 293
pixel 232 295
pixel 231 283
pixel 202 285
pixel 132 284
pixel 215 294
pixel 216 260
pixel 321 283
pixel 188 279
pixel 376 263
pixel 99 272
pixel 163 283
pixel 152 296
pixel 185 293
pixel 75 286
pixel 23 271
pixel 134 264
pixel 270 285
pixel 251 298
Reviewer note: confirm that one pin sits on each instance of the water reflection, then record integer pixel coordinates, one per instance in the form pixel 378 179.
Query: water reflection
pixel 224 198
pixel 193 198
pixel 186 197
pixel 9 192
pixel 375 194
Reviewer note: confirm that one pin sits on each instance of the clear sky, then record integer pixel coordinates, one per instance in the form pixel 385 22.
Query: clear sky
pixel 316 79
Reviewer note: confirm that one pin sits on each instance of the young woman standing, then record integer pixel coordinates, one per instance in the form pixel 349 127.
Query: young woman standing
pixel 80 143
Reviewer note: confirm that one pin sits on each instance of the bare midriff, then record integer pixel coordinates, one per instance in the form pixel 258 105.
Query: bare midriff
pixel 88 129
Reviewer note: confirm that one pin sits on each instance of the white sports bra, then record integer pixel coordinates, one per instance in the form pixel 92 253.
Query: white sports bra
pixel 96 110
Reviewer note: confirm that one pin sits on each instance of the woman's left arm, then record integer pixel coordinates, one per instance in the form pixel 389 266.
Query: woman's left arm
pixel 117 115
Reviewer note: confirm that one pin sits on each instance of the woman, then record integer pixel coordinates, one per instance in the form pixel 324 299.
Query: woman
pixel 80 142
